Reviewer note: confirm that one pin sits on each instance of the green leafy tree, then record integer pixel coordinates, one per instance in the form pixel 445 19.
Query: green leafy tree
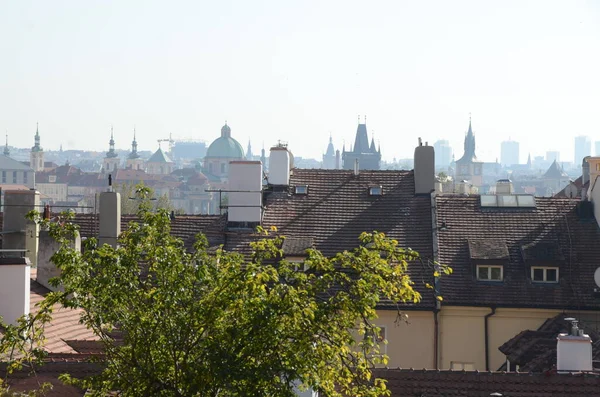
pixel 21 348
pixel 215 323
pixel 134 196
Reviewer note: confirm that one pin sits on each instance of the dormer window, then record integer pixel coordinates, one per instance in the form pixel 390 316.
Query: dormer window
pixel 375 191
pixel 544 274
pixel 301 189
pixel 490 273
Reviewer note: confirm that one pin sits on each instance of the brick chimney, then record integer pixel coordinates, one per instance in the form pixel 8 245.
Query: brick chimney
pixel 280 161
pixel 110 218
pixel 424 169
pixel 574 350
pixel 245 193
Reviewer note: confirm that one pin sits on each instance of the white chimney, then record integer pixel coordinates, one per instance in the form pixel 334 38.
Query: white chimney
pixel 20 233
pixel 245 191
pixel 462 187
pixel 356 167
pixel 279 165
pixel 15 274
pixel 504 186
pixel 574 350
pixel 110 218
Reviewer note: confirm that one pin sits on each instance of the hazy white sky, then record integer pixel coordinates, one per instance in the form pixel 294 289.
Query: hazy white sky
pixel 300 70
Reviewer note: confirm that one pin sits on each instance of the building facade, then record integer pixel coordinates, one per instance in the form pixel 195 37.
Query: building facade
pixel 583 148
pixel 509 153
pixel 443 153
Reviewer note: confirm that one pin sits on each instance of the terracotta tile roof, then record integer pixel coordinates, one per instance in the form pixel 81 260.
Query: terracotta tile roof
pixel 535 350
pixel 64 326
pixel 338 208
pixel 432 383
pixel 551 233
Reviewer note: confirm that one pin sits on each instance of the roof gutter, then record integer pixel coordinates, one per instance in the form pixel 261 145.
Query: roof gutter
pixel 487 337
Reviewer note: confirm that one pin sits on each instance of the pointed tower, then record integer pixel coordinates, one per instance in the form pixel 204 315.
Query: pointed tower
pixel 529 161
pixel 249 151
pixel 368 158
pixel 36 157
pixel 6 149
pixel 134 161
pixel 468 167
pixel 329 156
pixel 111 161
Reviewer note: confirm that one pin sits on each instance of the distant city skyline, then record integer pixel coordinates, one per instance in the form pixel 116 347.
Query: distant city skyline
pixel 299 72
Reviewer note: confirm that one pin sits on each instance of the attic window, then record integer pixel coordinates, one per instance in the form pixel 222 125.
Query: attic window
pixel 51 178
pixel 301 189
pixel 489 273
pixel 375 191
pixel 544 274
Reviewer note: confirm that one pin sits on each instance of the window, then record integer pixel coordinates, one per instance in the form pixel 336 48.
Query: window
pixel 14 176
pixel 542 274
pixel 222 168
pixel 25 177
pixel 489 273
pixel 52 178
pixel 3 176
pixel 375 191
pixel 461 366
pixel 301 189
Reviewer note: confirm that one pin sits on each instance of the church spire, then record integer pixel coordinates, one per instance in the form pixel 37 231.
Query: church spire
pixel 249 151
pixel 469 145
pixel 111 148
pixel 134 154
pixel 36 147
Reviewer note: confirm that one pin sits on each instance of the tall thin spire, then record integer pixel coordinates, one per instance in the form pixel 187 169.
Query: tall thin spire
pixel 111 149
pixel 36 147
pixel 134 154
pixel 6 149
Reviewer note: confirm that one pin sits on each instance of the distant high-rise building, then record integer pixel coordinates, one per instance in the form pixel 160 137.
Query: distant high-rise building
pixel 368 156
pixel 329 156
pixel 509 153
pixel 36 157
pixel 553 155
pixel 597 144
pixel 443 153
pixel 583 147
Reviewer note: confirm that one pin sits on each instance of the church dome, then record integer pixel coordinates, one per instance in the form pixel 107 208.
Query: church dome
pixel 225 146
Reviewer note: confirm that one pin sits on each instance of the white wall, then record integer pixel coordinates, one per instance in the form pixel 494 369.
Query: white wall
pixel 14 288
pixel 245 191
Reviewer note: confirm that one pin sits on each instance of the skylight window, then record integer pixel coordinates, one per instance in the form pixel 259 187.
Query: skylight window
pixel 375 191
pixel 301 189
pixel 508 200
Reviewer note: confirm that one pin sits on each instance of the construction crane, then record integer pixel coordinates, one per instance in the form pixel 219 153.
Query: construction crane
pixel 170 140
